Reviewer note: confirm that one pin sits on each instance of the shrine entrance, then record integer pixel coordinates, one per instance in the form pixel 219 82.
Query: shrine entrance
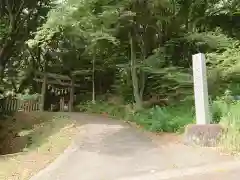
pixel 57 93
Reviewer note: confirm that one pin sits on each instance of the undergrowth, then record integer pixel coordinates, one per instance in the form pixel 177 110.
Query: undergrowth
pixel 156 119
pixel 230 120
pixel 165 119
pixel 226 111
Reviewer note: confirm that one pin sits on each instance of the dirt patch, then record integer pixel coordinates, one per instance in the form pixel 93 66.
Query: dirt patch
pixel 166 138
pixel 31 141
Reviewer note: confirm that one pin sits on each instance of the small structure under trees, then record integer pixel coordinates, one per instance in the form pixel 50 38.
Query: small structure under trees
pixel 65 85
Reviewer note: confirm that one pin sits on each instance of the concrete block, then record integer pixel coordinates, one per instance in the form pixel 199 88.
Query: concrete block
pixel 203 135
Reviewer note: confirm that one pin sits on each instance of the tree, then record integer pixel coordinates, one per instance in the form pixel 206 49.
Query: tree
pixel 153 41
pixel 18 19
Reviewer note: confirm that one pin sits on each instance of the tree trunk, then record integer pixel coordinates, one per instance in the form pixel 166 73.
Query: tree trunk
pixel 3 57
pixel 71 94
pixel 135 80
pixel 1 72
pixel 142 85
pixel 93 78
pixel 142 75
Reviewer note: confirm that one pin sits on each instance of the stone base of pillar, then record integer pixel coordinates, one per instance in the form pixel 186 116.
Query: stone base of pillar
pixel 203 135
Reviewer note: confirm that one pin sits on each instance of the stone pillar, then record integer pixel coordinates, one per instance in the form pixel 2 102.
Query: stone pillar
pixel 200 89
pixel 202 133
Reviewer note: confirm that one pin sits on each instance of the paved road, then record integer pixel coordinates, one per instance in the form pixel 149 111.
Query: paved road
pixel 224 175
pixel 219 171
pixel 111 150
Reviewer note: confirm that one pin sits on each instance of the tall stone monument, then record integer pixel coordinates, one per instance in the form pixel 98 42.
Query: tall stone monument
pixel 200 89
pixel 202 133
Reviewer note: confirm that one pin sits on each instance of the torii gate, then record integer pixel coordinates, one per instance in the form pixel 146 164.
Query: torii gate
pixel 57 79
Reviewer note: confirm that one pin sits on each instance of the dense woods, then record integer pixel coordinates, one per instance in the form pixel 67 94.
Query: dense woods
pixel 136 50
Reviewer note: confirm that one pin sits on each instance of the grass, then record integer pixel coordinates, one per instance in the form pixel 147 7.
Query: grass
pixel 226 112
pixel 156 119
pixel 31 141
pixel 230 120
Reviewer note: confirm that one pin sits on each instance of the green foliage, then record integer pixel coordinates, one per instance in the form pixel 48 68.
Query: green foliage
pixel 78 18
pixel 28 96
pixel 101 107
pixel 165 119
pixel 224 70
pixel 214 40
pixel 18 21
pixel 92 27
pixel 227 62
pixel 225 111
pixel 220 106
pixel 156 119
pixel 123 85
pixel 231 122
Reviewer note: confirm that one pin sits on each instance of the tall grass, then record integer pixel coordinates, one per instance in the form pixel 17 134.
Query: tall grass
pixel 226 112
pixel 230 120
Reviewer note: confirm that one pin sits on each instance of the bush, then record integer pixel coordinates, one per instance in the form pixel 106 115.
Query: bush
pixel 218 109
pixel 156 119
pixel 165 119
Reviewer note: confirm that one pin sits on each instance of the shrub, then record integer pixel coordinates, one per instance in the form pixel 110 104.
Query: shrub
pixel 156 119
pixel 165 119
pixel 220 107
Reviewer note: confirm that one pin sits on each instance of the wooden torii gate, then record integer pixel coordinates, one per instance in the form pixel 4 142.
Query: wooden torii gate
pixel 57 79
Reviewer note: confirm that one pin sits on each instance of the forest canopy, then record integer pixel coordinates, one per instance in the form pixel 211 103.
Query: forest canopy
pixel 135 49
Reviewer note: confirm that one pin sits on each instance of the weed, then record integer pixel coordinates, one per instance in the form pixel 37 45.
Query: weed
pixel 231 123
